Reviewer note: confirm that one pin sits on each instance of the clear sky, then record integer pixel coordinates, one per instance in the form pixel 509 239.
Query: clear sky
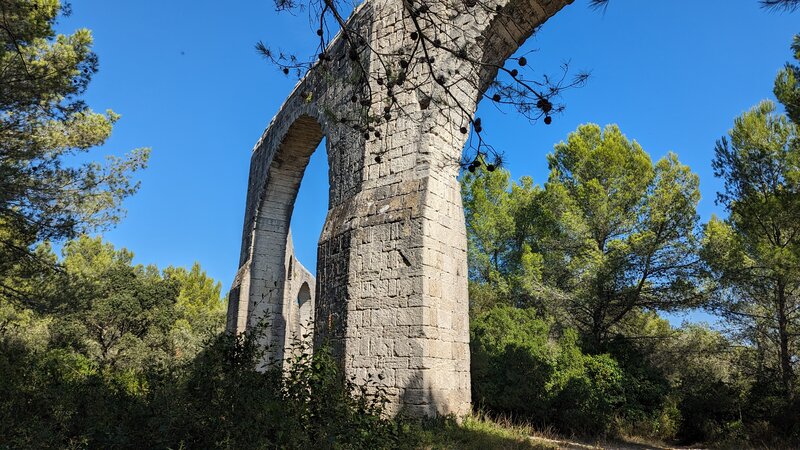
pixel 188 83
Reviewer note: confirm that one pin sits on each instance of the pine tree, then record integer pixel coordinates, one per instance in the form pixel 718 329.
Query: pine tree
pixel 43 124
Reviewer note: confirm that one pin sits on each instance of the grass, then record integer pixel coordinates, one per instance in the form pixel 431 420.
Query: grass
pixel 479 432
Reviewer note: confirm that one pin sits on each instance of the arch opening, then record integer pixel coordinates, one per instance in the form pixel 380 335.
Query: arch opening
pixel 308 217
pixel 276 276
pixel 311 208
pixel 304 326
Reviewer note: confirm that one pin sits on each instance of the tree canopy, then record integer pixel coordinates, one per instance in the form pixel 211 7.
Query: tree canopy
pixel 569 281
pixel 787 84
pixel 44 123
pixel 609 234
pixel 754 255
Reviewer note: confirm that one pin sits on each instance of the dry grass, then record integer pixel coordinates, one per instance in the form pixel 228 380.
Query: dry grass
pixel 480 432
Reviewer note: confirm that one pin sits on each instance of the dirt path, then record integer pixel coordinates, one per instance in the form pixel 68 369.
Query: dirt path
pixel 568 444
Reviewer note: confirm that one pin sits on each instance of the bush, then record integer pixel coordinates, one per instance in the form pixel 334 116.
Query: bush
pixel 587 390
pixel 55 398
pixel 649 409
pixel 513 359
pixel 520 367
pixel 231 404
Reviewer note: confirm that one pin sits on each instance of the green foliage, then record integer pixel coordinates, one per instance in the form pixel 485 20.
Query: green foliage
pixel 609 240
pixel 489 222
pixel 43 124
pixel 227 402
pixel 626 227
pixel 117 314
pixel 588 389
pixel 787 84
pixel 685 377
pixel 200 308
pixel 218 400
pixel 77 362
pixel 670 384
pixel 754 256
pixel 513 359
pixel 124 356
pixel 519 366
pixel 611 233
pixel 508 227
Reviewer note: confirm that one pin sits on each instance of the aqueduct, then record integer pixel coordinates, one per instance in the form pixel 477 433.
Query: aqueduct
pixel 391 289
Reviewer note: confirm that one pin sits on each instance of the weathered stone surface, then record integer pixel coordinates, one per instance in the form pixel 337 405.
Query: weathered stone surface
pixel 299 291
pixel 391 291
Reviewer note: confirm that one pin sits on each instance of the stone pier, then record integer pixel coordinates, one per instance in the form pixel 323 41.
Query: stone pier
pixel 391 290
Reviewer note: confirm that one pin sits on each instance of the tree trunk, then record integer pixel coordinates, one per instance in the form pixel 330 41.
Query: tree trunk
pixel 596 333
pixel 787 375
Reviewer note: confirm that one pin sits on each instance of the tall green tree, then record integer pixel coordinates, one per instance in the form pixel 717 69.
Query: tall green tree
pixel 200 308
pixel 490 223
pixel 610 234
pixel 507 227
pixel 626 229
pixel 43 123
pixel 116 313
pixel 787 84
pixel 754 255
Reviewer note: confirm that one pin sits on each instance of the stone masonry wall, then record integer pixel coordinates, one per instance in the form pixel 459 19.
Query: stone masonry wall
pixel 391 293
pixel 298 302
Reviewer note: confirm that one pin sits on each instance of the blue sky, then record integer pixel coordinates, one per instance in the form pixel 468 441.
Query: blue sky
pixel 188 83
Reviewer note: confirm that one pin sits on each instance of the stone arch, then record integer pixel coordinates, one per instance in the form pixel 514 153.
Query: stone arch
pixel 391 298
pixel 298 303
pixel 304 326
pixel 261 289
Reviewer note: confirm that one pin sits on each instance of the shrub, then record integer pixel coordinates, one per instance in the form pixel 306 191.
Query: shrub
pixel 56 398
pixel 231 404
pixel 520 367
pixel 586 390
pixel 513 358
